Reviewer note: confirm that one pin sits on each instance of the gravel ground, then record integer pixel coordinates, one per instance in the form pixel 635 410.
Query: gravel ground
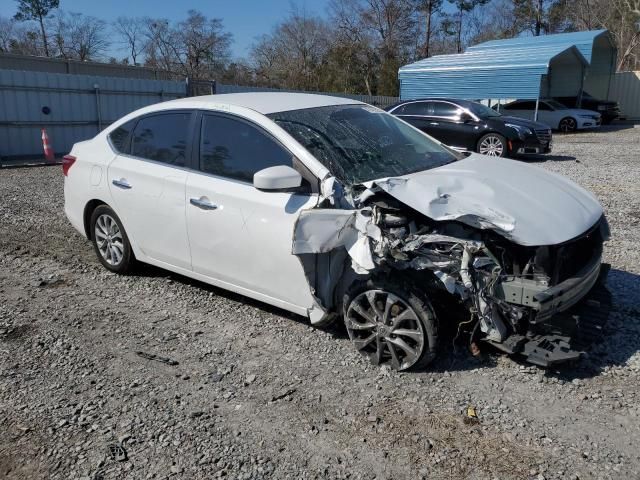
pixel 157 376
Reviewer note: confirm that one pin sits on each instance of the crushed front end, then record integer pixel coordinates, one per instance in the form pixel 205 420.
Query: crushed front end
pixel 534 301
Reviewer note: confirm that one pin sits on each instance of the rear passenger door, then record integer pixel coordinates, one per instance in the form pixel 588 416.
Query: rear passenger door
pixel 147 182
pixel 240 236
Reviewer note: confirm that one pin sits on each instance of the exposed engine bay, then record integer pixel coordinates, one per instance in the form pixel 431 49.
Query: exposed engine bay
pixel 504 293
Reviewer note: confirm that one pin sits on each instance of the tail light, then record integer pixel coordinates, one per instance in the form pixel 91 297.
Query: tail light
pixel 67 161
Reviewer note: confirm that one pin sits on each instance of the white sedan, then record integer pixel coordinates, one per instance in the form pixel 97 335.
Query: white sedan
pixel 554 114
pixel 329 207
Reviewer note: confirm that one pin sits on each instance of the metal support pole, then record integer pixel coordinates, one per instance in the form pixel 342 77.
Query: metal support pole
pixel 98 111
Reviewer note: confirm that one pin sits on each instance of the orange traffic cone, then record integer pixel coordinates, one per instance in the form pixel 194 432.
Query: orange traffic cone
pixel 48 151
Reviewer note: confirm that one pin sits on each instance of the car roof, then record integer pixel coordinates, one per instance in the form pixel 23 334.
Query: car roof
pixel 457 101
pixel 262 102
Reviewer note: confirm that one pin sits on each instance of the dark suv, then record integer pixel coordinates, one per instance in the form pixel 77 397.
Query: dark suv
pixel 470 126
pixel 607 109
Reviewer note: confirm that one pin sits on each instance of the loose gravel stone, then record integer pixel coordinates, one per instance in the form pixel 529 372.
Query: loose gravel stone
pixel 156 376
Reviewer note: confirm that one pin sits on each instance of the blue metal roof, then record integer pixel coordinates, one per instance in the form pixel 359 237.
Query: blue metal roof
pixel 483 73
pixel 583 41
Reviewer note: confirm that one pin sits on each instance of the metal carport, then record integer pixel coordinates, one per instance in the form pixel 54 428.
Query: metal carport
pixel 596 46
pixel 517 72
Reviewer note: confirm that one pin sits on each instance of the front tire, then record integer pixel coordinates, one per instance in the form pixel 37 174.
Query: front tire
pixel 568 125
pixel 110 241
pixel 391 322
pixel 492 144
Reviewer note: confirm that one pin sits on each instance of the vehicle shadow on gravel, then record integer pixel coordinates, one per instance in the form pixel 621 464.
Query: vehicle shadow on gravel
pixel 618 344
pixel 619 340
pixel 549 158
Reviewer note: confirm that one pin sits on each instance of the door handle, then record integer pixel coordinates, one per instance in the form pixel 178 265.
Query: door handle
pixel 122 183
pixel 434 123
pixel 203 204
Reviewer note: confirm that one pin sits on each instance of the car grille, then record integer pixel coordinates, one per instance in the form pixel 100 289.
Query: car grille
pixel 544 135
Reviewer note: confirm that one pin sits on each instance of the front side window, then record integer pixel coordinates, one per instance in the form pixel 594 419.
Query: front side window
pixel 482 110
pixel 162 138
pixel 555 105
pixel 446 110
pixel 358 143
pixel 236 149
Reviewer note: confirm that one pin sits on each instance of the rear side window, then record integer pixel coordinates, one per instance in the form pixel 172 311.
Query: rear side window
pixel 417 108
pixel 119 138
pixel 162 138
pixel 236 149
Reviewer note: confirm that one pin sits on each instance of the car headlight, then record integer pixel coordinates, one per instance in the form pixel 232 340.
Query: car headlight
pixel 522 131
pixel 590 117
pixel 602 107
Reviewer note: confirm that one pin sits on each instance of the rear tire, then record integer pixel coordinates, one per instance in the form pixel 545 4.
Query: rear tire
pixel 568 125
pixel 391 322
pixel 492 144
pixel 110 241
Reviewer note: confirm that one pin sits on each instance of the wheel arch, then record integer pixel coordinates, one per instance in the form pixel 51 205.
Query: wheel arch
pixel 86 215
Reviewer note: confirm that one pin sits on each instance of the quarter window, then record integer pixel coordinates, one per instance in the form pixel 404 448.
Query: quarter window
pixel 162 138
pixel 120 137
pixel 236 149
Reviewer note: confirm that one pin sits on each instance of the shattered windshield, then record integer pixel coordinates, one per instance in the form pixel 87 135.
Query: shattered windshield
pixel 358 143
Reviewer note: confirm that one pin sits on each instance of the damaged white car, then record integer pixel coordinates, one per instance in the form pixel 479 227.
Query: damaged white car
pixel 331 208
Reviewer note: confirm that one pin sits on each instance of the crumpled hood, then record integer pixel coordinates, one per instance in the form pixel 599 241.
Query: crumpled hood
pixel 524 203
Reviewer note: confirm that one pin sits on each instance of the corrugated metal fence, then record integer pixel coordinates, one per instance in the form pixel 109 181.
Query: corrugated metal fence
pixel 376 100
pixel 625 89
pixel 70 107
pixel 10 61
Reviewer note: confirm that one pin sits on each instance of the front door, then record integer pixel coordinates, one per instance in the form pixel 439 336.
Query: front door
pixel 238 234
pixel 147 183
pixel 452 128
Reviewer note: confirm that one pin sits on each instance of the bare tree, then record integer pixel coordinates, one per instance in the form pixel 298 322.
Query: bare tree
pixel 79 36
pixel 197 47
pixel 38 10
pixel 132 36
pixel 293 53
pixel 429 9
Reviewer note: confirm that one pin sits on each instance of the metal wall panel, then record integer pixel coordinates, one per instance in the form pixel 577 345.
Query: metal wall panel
pixel 79 107
pixel 625 89
pixel 502 73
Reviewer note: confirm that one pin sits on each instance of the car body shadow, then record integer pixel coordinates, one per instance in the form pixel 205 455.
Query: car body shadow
pixel 548 158
pixel 616 346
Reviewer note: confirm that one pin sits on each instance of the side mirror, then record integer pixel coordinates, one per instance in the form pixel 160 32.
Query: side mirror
pixel 280 177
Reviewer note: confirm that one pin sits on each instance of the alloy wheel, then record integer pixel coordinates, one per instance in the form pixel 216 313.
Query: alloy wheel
pixel 385 326
pixel 567 125
pixel 492 145
pixel 109 239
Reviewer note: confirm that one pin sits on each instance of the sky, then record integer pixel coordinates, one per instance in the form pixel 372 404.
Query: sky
pixel 245 19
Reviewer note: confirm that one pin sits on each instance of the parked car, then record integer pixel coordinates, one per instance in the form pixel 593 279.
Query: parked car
pixel 329 207
pixel 607 109
pixel 470 126
pixel 554 114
